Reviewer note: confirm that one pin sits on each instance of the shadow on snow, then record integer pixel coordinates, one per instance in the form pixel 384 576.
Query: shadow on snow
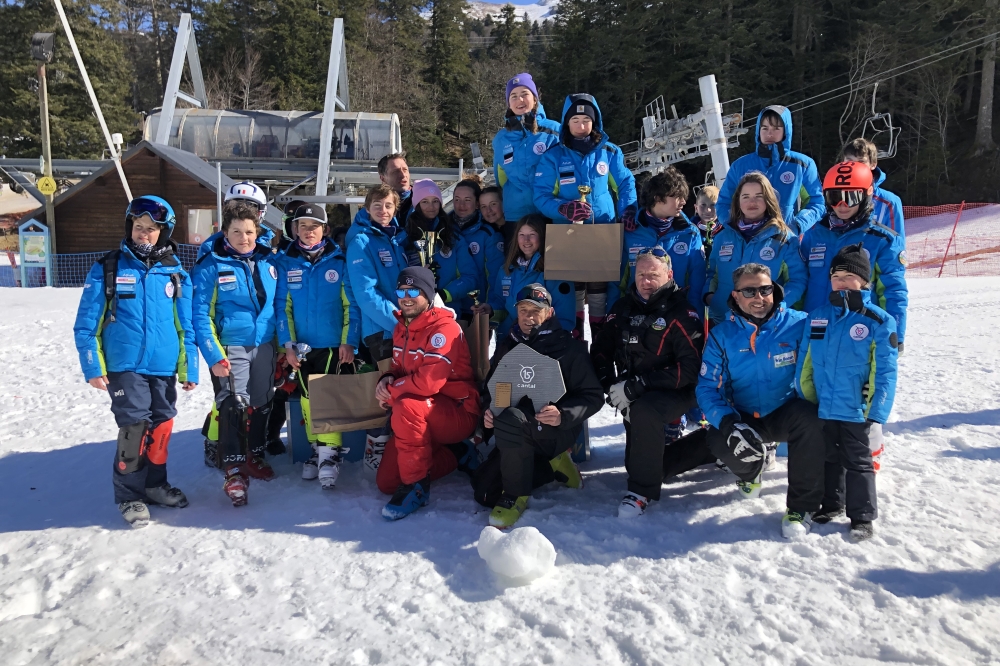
pixel 966 585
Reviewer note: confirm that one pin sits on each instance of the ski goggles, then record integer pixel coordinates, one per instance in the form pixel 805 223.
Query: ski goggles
pixel 847 198
pixel 407 293
pixel 143 206
pixel 750 292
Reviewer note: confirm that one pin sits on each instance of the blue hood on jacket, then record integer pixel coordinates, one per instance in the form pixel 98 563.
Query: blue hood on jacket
pixel 564 134
pixel 786 143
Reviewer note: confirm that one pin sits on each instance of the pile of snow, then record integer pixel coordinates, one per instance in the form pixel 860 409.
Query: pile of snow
pixel 522 555
pixel 306 576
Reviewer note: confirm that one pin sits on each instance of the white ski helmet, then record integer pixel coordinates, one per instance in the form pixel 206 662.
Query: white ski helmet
pixel 249 192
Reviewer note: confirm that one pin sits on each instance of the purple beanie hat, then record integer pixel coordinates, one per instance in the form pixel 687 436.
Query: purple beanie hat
pixel 523 79
pixel 425 188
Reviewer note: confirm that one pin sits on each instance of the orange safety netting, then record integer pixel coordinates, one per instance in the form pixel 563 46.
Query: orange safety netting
pixel 953 240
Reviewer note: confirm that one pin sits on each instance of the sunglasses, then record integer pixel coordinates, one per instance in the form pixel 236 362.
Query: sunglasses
pixel 142 206
pixel 407 293
pixel 750 292
pixel 848 198
pixel 656 251
pixel 530 294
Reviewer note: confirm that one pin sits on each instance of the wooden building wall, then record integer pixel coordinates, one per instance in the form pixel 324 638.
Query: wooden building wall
pixel 93 220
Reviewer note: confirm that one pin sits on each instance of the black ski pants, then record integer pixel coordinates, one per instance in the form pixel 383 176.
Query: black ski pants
pixel 520 438
pixel 850 471
pixel 644 437
pixel 797 423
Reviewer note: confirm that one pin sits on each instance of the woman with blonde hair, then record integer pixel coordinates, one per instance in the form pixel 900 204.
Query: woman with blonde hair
pixel 755 233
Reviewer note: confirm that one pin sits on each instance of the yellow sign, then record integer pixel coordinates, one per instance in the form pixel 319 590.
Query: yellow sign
pixel 46 185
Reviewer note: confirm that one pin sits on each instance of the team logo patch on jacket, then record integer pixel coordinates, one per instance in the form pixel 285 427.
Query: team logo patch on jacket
pixel 273 271
pixel 474 248
pixel 859 332
pixel 168 289
pixel 788 178
pixel 538 148
pixel 767 253
pixel 332 276
pixel 437 340
pixel 602 168
pixel 659 324
pixel 680 248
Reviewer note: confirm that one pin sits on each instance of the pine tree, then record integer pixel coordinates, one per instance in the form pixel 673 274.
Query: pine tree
pixel 448 60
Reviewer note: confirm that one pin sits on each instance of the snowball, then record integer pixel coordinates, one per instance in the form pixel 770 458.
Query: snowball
pixel 524 554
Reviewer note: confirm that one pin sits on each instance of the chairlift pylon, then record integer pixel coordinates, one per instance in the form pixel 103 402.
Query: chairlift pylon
pixel 877 126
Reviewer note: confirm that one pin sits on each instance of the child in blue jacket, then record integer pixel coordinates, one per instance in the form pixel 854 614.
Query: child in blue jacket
pixel 887 207
pixel 133 332
pixel 755 233
pixel 848 367
pixel 525 265
pixel 318 324
pixel 662 223
pixel 584 157
pixel 518 147
pixel 234 286
pixel 791 173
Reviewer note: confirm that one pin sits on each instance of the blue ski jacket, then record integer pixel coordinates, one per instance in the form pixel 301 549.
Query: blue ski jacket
pixel 683 244
pixel 848 360
pixel 888 206
pixel 516 153
pixel 886 253
pixel 375 257
pixel 233 303
pixel 772 247
pixel 486 247
pixel 503 296
pixel 750 369
pixel 562 170
pixel 151 333
pixel 315 303
pixel 789 172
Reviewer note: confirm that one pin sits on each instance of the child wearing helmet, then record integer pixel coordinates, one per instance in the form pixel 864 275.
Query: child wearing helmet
pixel 134 296
pixel 850 220
pixel 245 191
pixel 234 320
pixel 887 206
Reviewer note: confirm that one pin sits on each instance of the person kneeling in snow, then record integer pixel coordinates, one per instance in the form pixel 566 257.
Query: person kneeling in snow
pixel 848 367
pixel 521 432
pixel 746 390
pixel 432 394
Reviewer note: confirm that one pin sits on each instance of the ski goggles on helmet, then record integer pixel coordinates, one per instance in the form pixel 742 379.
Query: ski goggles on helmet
pixel 407 293
pixel 750 292
pixel 848 198
pixel 143 206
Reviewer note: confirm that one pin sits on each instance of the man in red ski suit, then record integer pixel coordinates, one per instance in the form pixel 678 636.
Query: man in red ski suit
pixel 431 392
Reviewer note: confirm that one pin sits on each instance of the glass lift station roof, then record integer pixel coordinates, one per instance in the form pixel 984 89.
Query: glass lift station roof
pixel 278 135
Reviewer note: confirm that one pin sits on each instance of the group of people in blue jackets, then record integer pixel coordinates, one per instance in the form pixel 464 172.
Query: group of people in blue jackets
pixel 324 298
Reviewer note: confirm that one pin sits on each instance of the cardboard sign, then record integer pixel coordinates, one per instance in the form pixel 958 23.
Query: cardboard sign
pixel 583 252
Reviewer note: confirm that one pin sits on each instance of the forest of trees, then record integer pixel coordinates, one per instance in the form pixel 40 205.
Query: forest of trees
pixel 443 72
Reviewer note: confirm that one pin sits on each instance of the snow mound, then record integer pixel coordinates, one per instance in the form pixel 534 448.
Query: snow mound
pixel 522 555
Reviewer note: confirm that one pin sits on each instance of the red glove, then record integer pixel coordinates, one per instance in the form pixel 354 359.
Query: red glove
pixel 576 211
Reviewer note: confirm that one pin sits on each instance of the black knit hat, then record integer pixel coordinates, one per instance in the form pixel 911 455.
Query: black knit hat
pixel 852 259
pixel 582 107
pixel 417 277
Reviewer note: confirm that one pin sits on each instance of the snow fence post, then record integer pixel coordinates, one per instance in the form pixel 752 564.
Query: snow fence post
pixel 950 239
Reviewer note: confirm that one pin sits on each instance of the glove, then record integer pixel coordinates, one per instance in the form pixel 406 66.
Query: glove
pixel 445 296
pixel 628 219
pixel 745 443
pixel 576 211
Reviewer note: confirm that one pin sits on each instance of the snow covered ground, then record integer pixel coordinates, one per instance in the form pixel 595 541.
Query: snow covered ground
pixel 302 576
pixel 974 250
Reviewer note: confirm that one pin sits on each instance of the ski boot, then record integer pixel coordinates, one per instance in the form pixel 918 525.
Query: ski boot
pixel 633 506
pixel 408 498
pixel 166 495
pixel 796 524
pixel 135 513
pixel 862 530
pixel 749 489
pixel 826 514
pixel 508 510
pixel 310 468
pixel 237 485
pixel 566 470
pixel 330 458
